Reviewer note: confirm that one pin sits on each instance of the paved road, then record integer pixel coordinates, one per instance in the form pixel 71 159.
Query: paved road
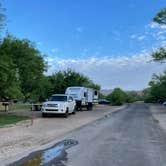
pixel 128 138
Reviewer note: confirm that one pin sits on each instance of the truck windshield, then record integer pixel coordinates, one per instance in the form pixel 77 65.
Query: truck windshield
pixel 58 98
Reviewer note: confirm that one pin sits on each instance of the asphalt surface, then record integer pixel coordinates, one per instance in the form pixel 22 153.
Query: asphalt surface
pixel 130 137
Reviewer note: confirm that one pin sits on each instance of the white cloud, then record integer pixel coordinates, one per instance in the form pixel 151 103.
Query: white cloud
pixel 133 36
pixel 154 25
pixel 55 50
pixel 140 38
pixel 126 72
pixel 157 31
pixel 137 37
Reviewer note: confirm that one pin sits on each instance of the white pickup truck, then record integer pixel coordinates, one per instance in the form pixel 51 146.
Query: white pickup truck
pixel 59 104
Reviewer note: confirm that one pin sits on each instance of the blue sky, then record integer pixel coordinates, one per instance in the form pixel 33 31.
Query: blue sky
pixel 90 35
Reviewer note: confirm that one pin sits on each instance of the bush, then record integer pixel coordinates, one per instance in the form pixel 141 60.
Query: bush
pixel 117 97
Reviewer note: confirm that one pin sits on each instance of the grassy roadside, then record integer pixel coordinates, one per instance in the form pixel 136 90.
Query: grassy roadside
pixel 8 119
pixel 19 107
pixel 15 107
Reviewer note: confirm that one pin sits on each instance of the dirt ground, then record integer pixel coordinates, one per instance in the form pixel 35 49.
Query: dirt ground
pixel 23 136
pixel 159 113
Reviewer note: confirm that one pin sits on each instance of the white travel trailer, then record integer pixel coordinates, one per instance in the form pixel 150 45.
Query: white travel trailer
pixel 83 96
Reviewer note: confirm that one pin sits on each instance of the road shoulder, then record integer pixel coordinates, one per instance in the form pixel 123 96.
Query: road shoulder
pixel 159 114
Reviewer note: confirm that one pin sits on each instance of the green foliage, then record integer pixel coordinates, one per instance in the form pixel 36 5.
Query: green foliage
pixel 133 96
pixel 8 80
pixel 160 17
pixel 159 55
pixel 63 79
pixel 117 97
pixel 102 96
pixel 157 88
pixel 21 73
pixel 21 68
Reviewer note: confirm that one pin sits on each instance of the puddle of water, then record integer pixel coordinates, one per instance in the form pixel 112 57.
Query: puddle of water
pixel 52 156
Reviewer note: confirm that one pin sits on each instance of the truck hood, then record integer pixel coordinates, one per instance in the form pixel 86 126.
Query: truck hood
pixel 54 102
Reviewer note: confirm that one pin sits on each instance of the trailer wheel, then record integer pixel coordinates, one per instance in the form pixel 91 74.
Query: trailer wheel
pixel 89 106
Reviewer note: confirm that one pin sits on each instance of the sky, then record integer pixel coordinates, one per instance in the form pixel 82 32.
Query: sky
pixel 110 41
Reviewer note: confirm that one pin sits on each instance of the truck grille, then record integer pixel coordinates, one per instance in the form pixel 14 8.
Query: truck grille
pixel 52 105
pixel 51 110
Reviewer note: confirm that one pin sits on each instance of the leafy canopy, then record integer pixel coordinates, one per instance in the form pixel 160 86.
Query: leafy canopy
pixel 21 68
pixel 63 79
pixel 160 54
pixel 160 17
pixel 157 89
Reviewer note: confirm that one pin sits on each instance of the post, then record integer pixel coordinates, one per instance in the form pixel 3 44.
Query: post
pixel 32 115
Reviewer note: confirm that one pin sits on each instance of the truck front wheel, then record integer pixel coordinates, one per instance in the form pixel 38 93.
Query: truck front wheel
pixel 66 113
pixel 74 111
pixel 43 115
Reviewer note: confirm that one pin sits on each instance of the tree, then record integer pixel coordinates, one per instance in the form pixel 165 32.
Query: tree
pixel 157 89
pixel 9 86
pixel 160 17
pixel 160 54
pixel 117 97
pixel 133 96
pixel 24 63
pixel 43 91
pixel 63 79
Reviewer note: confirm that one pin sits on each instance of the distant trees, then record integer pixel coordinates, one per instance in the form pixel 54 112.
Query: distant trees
pixel 63 79
pixel 117 97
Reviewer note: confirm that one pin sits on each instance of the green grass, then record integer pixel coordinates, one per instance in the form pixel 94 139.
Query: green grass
pixel 19 107
pixel 8 119
pixel 15 107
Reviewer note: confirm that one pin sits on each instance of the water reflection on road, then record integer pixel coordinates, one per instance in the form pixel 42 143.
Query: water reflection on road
pixel 53 156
